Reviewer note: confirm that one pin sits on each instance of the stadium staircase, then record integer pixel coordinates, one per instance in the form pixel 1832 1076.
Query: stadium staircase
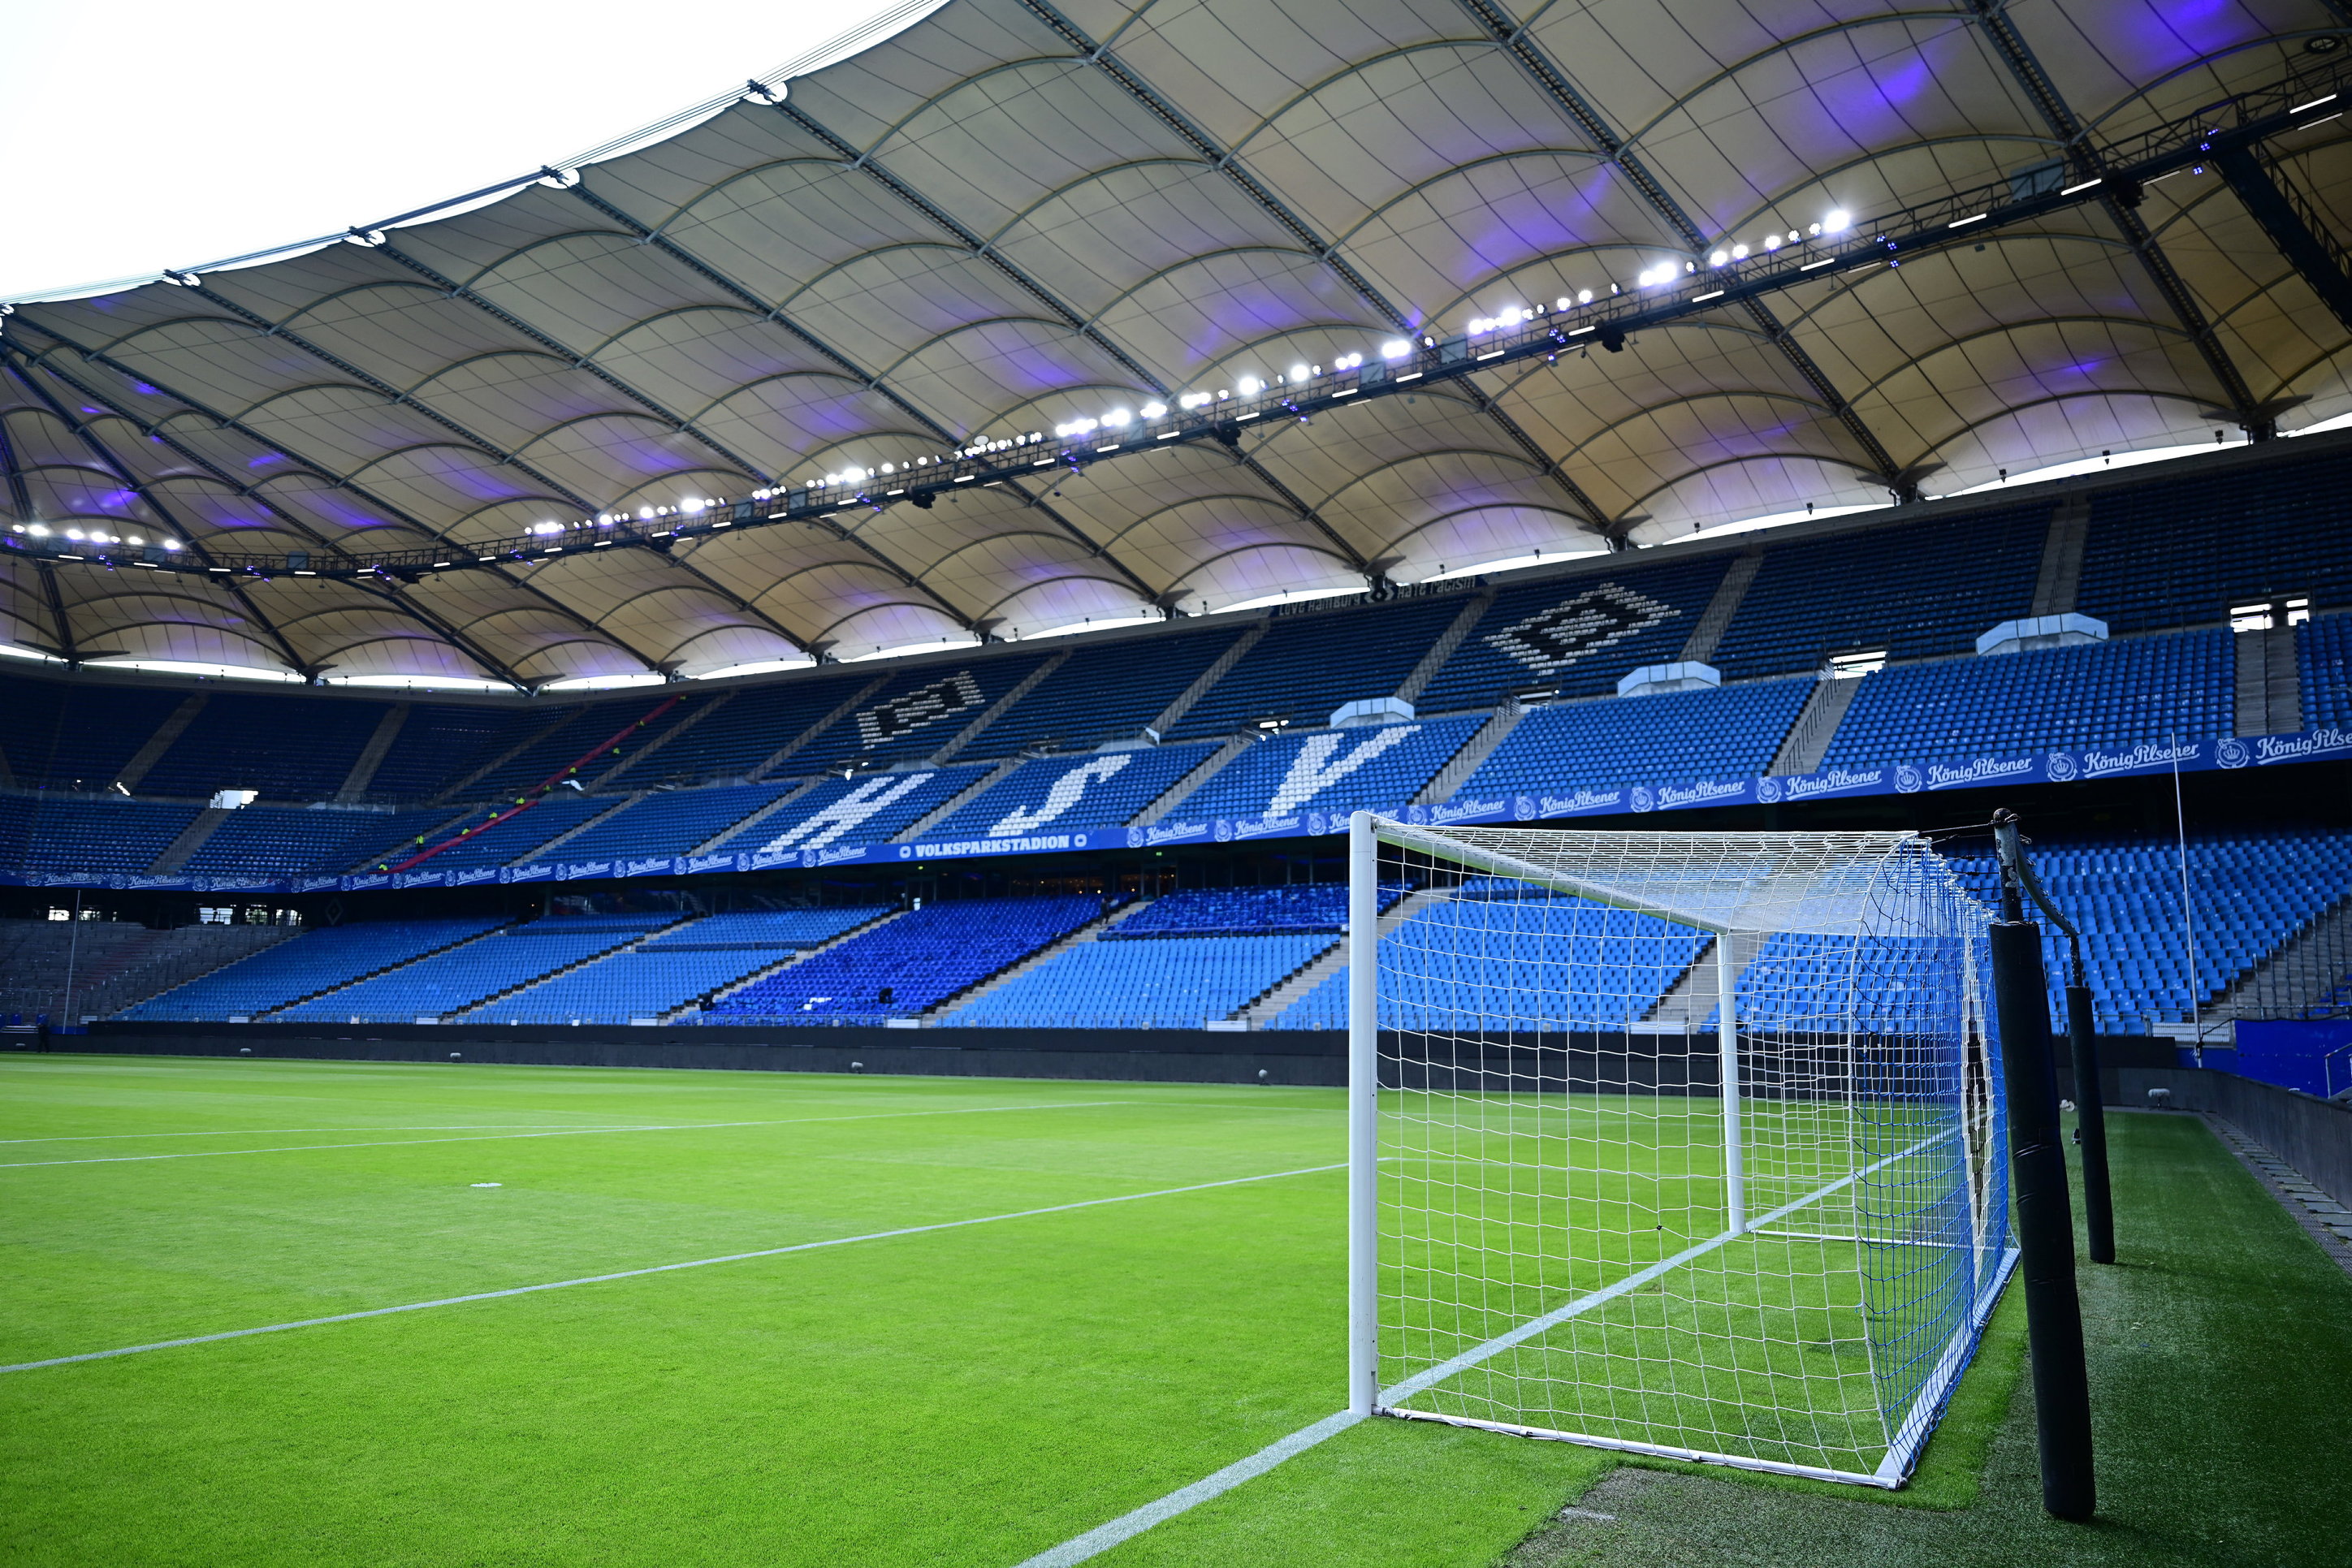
pixel 1173 714
pixel 778 757
pixel 710 998
pixel 347 983
pixel 2304 977
pixel 1474 751
pixel 370 758
pixel 147 755
pixel 2269 694
pixel 1261 1012
pixel 962 798
pixel 754 818
pixel 653 747
pixel 1177 793
pixel 1091 931
pixel 994 711
pixel 191 839
pixel 1808 740
pixel 1453 637
pixel 2060 577
pixel 626 944
pixel 1689 1000
pixel 542 851
pixel 1699 647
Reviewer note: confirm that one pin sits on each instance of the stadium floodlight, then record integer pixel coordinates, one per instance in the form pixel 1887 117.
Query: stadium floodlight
pixel 1395 349
pixel 1690 1145
pixel 1836 222
pixel 1718 258
pixel 1249 386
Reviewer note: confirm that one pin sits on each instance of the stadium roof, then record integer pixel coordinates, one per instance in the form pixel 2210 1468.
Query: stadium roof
pixel 1015 215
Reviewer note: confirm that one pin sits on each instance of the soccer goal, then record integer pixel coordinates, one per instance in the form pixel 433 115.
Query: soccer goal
pixel 1680 1144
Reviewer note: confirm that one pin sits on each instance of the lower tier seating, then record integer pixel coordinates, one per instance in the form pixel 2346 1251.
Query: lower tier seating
pixel 1152 982
pixel 907 965
pixel 326 956
pixel 680 965
pixel 451 981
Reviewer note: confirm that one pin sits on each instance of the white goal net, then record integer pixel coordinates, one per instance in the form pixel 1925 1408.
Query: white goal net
pixel 1683 1144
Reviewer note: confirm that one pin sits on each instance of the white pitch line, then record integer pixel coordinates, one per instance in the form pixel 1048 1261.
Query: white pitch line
pixel 667 1268
pixel 1127 1526
pixel 557 1133
pixel 289 1132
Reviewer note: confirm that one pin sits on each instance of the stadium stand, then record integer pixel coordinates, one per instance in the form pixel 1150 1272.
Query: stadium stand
pixel 919 959
pixel 750 727
pixel 580 731
pixel 439 743
pixel 1917 591
pixel 917 713
pixel 237 741
pixel 2184 552
pixel 1309 663
pixel 1059 794
pixel 677 966
pixel 1331 770
pixel 671 821
pixel 291 841
pixel 2112 693
pixel 1525 964
pixel 312 962
pixel 872 808
pixel 92 968
pixel 104 835
pixel 1278 911
pixel 515 838
pixel 2249 892
pixel 61 737
pixel 1577 635
pixel 457 977
pixel 1105 693
pixel 1161 983
pixel 2324 651
pixel 1724 731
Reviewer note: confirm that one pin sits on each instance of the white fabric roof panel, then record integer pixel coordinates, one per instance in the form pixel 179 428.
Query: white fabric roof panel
pixel 1010 215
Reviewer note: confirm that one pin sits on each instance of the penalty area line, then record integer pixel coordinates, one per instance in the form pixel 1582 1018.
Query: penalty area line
pixel 666 1268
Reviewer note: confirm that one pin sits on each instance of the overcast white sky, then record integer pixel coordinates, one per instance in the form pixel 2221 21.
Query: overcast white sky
pixel 140 135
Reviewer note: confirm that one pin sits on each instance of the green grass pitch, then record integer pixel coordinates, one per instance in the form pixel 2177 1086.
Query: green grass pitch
pixel 965 1396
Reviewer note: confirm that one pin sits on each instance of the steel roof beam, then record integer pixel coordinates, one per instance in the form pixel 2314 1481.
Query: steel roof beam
pixel 874 380
pixel 1992 20
pixel 2309 248
pixel 1511 36
pixel 1228 163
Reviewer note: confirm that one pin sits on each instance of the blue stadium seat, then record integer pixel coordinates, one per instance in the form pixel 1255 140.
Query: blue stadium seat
pixel 455 978
pixel 327 955
pixel 1309 663
pixel 920 958
pixel 1718 732
pixel 1107 693
pixel 1331 771
pixel 675 967
pixel 1578 635
pixel 1098 791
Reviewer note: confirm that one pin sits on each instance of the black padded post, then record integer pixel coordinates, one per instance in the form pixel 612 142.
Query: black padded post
pixel 2091 1124
pixel 2045 1221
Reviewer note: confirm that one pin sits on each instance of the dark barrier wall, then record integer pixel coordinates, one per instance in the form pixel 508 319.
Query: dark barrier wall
pixel 2313 1136
pixel 1296 1057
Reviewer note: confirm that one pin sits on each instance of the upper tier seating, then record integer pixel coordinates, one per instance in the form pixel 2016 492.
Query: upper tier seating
pixel 1579 636
pixel 512 841
pixel 1099 791
pixel 292 841
pixel 438 744
pixel 871 808
pixel 1105 693
pixel 323 957
pixel 2250 892
pixel 1166 982
pixel 671 821
pixel 103 835
pixel 917 713
pixel 581 730
pixel 58 736
pixel 237 741
pixel 1499 957
pixel 2093 695
pixel 919 959
pixel 451 982
pixel 1722 732
pixel 2324 649
pixel 750 725
pixel 1917 592
pixel 1308 664
pixel 2180 551
pixel 1332 770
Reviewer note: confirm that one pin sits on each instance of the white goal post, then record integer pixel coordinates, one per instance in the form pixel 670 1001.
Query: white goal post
pixel 1690 1145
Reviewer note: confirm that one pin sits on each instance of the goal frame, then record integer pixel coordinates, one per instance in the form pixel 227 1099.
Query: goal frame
pixel 1366 834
